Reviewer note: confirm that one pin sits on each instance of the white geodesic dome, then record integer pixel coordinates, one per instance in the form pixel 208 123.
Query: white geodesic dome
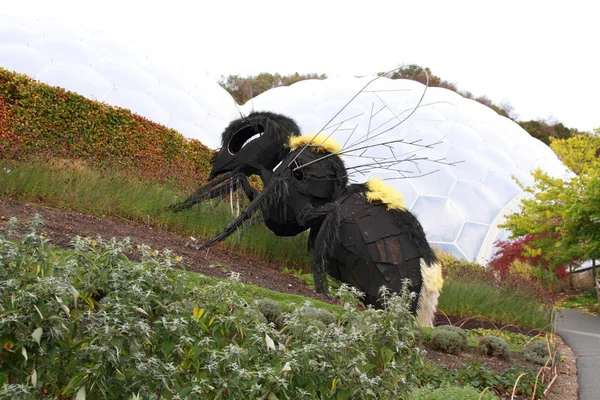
pixel 102 69
pixel 459 205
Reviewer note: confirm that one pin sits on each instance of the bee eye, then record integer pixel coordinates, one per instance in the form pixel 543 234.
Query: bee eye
pixel 244 136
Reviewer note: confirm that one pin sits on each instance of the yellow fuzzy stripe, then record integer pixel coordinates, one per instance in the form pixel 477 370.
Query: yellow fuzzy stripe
pixel 320 142
pixel 378 190
pixel 432 277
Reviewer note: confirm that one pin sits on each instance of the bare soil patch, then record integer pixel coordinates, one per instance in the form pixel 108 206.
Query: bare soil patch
pixel 62 226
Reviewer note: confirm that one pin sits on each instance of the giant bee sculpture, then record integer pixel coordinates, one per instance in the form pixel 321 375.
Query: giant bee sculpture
pixel 359 234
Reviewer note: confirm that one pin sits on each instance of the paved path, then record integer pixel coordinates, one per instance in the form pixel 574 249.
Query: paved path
pixel 582 333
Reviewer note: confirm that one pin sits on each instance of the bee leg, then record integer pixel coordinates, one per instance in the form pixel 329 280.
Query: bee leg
pixel 244 183
pixel 322 221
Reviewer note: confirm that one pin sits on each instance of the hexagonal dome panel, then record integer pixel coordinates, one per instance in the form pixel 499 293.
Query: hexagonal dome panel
pixel 387 128
pixel 473 202
pixel 440 219
pixel 467 197
pixel 471 238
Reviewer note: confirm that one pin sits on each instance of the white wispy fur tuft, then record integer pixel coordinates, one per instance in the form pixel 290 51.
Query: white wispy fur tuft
pixel 430 293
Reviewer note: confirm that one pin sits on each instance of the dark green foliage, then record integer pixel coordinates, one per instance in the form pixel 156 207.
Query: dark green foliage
pixel 90 321
pixel 543 130
pixel 537 352
pixel 494 346
pixel 270 309
pixel 243 89
pixel 449 339
pixel 321 315
pixel 425 76
pixel 479 377
pixel 308 316
pixel 422 334
pixel 452 328
pixel 416 73
pixel 451 393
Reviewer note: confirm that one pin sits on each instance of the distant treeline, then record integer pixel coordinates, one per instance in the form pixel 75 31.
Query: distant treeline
pixel 244 88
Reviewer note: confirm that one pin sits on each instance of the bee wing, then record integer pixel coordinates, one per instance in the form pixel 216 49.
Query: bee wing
pixel 371 120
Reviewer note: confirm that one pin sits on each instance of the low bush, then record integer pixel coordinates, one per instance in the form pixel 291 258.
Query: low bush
pixel 451 328
pixel 537 352
pixel 515 341
pixel 449 339
pixel 423 334
pixel 522 268
pixel 318 314
pixel 91 323
pixel 48 123
pixel 450 264
pixel 451 393
pixel 479 377
pixel 270 309
pixel 494 346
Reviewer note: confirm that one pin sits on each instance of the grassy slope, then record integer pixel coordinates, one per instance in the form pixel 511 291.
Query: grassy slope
pixel 44 122
pixel 65 151
pixel 82 189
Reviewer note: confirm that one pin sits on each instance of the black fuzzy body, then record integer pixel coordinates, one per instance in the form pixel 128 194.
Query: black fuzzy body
pixel 370 246
pixel 360 242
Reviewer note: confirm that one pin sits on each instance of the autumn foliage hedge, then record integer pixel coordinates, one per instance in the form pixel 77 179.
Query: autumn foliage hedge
pixel 44 122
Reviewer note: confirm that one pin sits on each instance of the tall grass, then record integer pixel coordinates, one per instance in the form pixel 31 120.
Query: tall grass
pixel 72 186
pixel 473 298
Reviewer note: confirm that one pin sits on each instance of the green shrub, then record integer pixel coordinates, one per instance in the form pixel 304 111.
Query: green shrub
pixel 90 321
pixel 537 352
pixel 450 264
pixel 479 377
pixel 494 346
pixel 43 122
pixel 449 339
pixel 422 334
pixel 307 319
pixel 452 328
pixel 427 331
pixel 451 393
pixel 318 314
pixel 518 339
pixel 270 309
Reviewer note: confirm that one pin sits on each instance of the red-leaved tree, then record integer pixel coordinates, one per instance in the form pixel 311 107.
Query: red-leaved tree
pixel 522 249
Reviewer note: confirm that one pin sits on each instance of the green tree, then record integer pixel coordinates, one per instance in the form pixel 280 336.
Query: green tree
pixel 563 215
pixel 542 215
pixel 420 74
pixel 581 153
pixel 243 89
pixel 582 218
pixel 544 131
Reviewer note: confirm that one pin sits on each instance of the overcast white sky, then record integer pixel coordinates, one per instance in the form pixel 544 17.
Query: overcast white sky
pixel 541 56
